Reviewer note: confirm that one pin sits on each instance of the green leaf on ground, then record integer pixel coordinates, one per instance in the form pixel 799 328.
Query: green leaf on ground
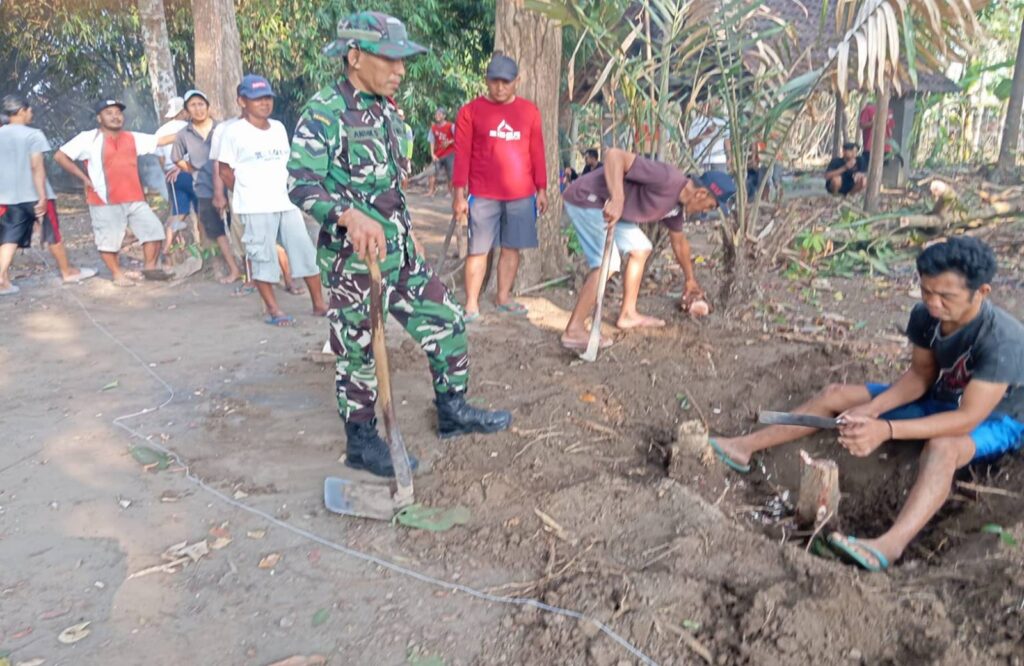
pixel 320 617
pixel 112 385
pixel 691 625
pixel 432 519
pixel 992 528
pixel 425 660
pixel 148 457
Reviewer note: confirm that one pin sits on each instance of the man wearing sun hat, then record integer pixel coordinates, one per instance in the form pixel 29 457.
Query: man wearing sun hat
pixel 113 189
pixel 345 171
pixel 181 196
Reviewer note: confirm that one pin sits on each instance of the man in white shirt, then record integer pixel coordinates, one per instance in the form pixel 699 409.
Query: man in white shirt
pixel 709 139
pixel 26 197
pixel 113 189
pixel 182 196
pixel 253 158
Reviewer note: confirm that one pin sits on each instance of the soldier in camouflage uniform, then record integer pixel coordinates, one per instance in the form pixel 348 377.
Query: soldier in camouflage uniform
pixel 346 164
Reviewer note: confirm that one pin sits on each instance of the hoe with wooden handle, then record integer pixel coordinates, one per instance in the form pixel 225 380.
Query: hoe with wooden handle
pixel 380 502
pixel 595 327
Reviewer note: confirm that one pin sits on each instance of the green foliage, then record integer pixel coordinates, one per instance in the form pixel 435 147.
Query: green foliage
pixel 68 53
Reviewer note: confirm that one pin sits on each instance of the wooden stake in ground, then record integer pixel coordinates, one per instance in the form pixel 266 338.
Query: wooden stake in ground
pixel 819 491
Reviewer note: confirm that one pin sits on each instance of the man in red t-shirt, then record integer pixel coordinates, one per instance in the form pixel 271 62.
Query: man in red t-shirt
pixel 499 161
pixel 113 189
pixel 442 148
pixel 866 122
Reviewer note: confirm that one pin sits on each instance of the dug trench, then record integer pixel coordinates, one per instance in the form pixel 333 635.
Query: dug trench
pixel 574 506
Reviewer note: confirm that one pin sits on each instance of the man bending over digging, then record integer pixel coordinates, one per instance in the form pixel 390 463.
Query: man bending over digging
pixel 962 395
pixel 626 191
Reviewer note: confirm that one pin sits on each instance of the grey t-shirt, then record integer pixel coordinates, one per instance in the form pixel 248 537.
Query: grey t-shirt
pixel 18 143
pixel 990 348
pixel 651 191
pixel 194 149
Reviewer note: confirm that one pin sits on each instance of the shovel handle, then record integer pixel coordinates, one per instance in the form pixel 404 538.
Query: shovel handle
pixel 396 445
pixel 594 343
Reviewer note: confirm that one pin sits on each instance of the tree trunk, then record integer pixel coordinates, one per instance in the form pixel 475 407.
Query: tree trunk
pixel 874 185
pixel 536 44
pixel 839 130
pixel 218 58
pixel 158 54
pixel 1011 130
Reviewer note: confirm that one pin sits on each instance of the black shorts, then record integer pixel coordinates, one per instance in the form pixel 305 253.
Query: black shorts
pixel 16 222
pixel 213 223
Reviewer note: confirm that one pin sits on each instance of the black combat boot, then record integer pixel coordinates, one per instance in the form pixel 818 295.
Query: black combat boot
pixel 366 450
pixel 457 417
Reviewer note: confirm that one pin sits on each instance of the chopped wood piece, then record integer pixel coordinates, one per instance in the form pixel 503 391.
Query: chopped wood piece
pixel 819 491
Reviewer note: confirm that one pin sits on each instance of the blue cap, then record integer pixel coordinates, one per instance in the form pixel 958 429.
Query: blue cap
pixel 254 87
pixel 502 68
pixel 720 184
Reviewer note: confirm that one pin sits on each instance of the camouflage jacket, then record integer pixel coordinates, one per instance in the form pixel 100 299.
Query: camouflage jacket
pixel 349 150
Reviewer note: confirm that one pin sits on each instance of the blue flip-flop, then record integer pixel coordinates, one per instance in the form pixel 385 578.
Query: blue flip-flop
pixel 513 308
pixel 725 459
pixel 847 545
pixel 281 320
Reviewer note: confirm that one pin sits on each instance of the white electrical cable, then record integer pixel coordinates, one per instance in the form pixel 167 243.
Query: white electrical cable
pixel 359 555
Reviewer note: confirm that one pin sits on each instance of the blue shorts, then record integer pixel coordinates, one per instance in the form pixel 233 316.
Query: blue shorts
pixel 590 229
pixel 512 224
pixel 183 197
pixel 996 435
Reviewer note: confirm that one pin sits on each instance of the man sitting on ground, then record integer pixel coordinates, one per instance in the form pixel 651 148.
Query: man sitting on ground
pixel 626 191
pixel 253 162
pixel 847 174
pixel 962 395
pixel 113 189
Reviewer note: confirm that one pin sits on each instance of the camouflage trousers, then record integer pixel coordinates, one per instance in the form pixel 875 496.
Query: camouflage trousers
pixel 415 297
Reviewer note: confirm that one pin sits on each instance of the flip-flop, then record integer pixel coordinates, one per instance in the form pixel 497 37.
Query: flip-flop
pixel 123 281
pixel 847 547
pixel 157 274
pixel 83 275
pixel 243 290
pixel 10 291
pixel 296 291
pixel 725 459
pixel 574 345
pixel 513 308
pixel 470 317
pixel 280 320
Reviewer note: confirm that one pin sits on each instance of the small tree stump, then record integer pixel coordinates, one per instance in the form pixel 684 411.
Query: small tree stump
pixel 819 491
pixel 691 442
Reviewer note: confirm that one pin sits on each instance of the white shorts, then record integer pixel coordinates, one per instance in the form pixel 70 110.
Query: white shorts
pixel 263 232
pixel 110 221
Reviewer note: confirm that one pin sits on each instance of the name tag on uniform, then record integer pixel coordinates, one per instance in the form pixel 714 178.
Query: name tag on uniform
pixel 363 133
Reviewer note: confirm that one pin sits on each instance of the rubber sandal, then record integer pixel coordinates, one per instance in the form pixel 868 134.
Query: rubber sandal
pixel 280 320
pixel 296 291
pixel 513 308
pixel 83 275
pixel 124 281
pixel 846 546
pixel 725 459
pixel 10 291
pixel 243 290
pixel 470 317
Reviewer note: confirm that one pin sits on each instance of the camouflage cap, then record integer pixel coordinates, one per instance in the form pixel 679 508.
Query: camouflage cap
pixel 375 33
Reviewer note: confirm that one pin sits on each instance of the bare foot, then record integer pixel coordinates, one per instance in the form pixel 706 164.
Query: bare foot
pixel 579 344
pixel 735 452
pixel 627 322
pixel 230 277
